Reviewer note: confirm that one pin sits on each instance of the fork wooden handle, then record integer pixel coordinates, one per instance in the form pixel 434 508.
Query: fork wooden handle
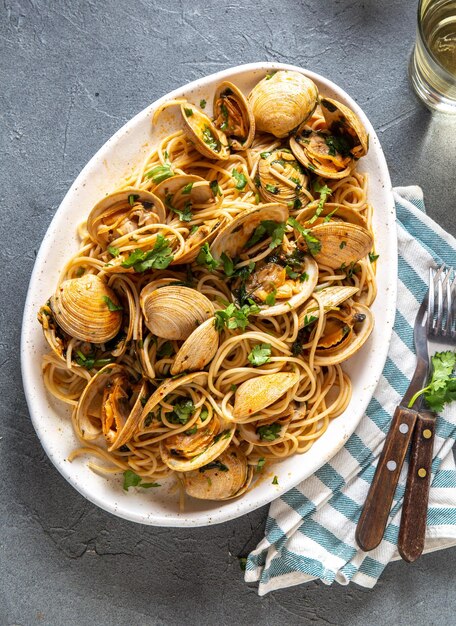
pixel 416 497
pixel 374 516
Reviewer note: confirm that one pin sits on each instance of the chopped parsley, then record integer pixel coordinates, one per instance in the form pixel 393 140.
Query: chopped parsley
pixel 272 188
pixel 260 354
pixel 442 386
pixel 203 414
pixel 185 214
pixel 188 112
pixel 187 189
pixel 210 140
pixel 240 178
pixel 157 258
pixel 324 192
pixel 112 306
pixel 206 259
pixel 337 144
pixel 312 242
pixel 275 480
pixel 234 317
pixel 214 465
pixel 265 155
pixel 271 297
pixel 228 265
pixel 342 245
pixel 275 230
pixel 159 173
pixel 133 480
pixel 192 430
pixel 203 103
pixel 132 198
pixel 373 257
pixel 113 251
pixel 260 464
pixel 215 188
pixel 269 432
pixel 89 361
pixel 181 413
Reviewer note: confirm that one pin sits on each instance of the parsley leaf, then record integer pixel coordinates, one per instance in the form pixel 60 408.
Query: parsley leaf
pixel 373 257
pixel 210 140
pixel 275 480
pixel 240 178
pixel 214 465
pixel 188 112
pixel 337 144
pixel 260 464
pixel 203 103
pixel 187 189
pixel 132 198
pixel 160 173
pixel 442 387
pixel 228 265
pixel 215 188
pixel 324 192
pixel 206 259
pixel 185 214
pixel 271 298
pixel 133 480
pixel 158 258
pixel 181 413
pixel 166 349
pixel 113 251
pixel 269 432
pixel 112 306
pixel 234 317
pixel 272 188
pixel 275 230
pixel 260 354
pixel 312 242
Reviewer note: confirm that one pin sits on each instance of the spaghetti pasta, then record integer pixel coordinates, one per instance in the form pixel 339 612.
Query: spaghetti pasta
pixel 235 288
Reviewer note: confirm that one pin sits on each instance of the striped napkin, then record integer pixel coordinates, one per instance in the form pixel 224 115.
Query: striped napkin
pixel 310 531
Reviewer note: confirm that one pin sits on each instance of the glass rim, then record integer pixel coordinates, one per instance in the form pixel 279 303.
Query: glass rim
pixel 424 42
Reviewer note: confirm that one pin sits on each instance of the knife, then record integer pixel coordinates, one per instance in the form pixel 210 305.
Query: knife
pixel 374 516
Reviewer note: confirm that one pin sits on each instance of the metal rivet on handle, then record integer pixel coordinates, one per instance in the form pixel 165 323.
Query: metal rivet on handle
pixel 427 434
pixel 403 428
pixel 422 472
pixel 391 465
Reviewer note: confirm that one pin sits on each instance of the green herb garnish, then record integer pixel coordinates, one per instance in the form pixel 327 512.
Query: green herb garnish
pixel 260 464
pixel 188 112
pixel 275 230
pixel 133 480
pixel 240 178
pixel 203 103
pixel 181 413
pixel 206 259
pixel 159 173
pixel 228 265
pixel 132 198
pixel 215 188
pixel 113 251
pixel 269 432
pixel 234 317
pixel 373 257
pixel 158 258
pixel 165 350
pixel 187 189
pixel 260 354
pixel 312 242
pixel 442 387
pixel 271 298
pixel 272 188
pixel 275 480
pixel 112 306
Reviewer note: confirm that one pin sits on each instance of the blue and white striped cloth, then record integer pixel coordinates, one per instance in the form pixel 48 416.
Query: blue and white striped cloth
pixel 310 531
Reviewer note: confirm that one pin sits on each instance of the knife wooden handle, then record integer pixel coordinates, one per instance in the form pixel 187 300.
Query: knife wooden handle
pixel 416 497
pixel 374 516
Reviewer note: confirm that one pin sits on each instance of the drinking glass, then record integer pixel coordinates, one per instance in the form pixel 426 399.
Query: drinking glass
pixel 432 66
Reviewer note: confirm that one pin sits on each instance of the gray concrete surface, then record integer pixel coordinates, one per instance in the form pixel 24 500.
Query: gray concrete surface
pixel 71 73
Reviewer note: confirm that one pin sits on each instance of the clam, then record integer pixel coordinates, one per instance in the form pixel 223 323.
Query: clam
pixel 87 309
pixel 342 121
pixel 330 298
pixel 137 419
pixel 283 101
pixel 343 336
pixel 174 312
pixel 198 349
pixel 109 401
pixel 122 213
pixel 235 235
pixel 259 392
pixel 281 177
pixel 289 291
pixel 318 152
pixel 181 189
pixel 207 139
pixel 227 477
pixel 340 243
pixel 337 213
pixel 233 116
pixel 195 241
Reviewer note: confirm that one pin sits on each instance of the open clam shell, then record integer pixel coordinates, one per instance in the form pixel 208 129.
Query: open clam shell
pixel 281 177
pixel 184 188
pixel 234 236
pixel 341 243
pixel 109 401
pixel 207 139
pixel 300 290
pixel 343 121
pixel 283 101
pixel 87 309
pixel 259 392
pixel 174 312
pixel 122 213
pixel 313 151
pixel 195 241
pixel 233 116
pixel 198 350
pixel 330 298
pixel 227 477
pixel 360 332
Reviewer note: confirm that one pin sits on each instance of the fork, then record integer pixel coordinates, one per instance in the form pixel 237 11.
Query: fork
pixel 439 330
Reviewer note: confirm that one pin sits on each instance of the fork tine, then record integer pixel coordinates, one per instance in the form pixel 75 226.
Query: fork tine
pixel 439 320
pixel 430 311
